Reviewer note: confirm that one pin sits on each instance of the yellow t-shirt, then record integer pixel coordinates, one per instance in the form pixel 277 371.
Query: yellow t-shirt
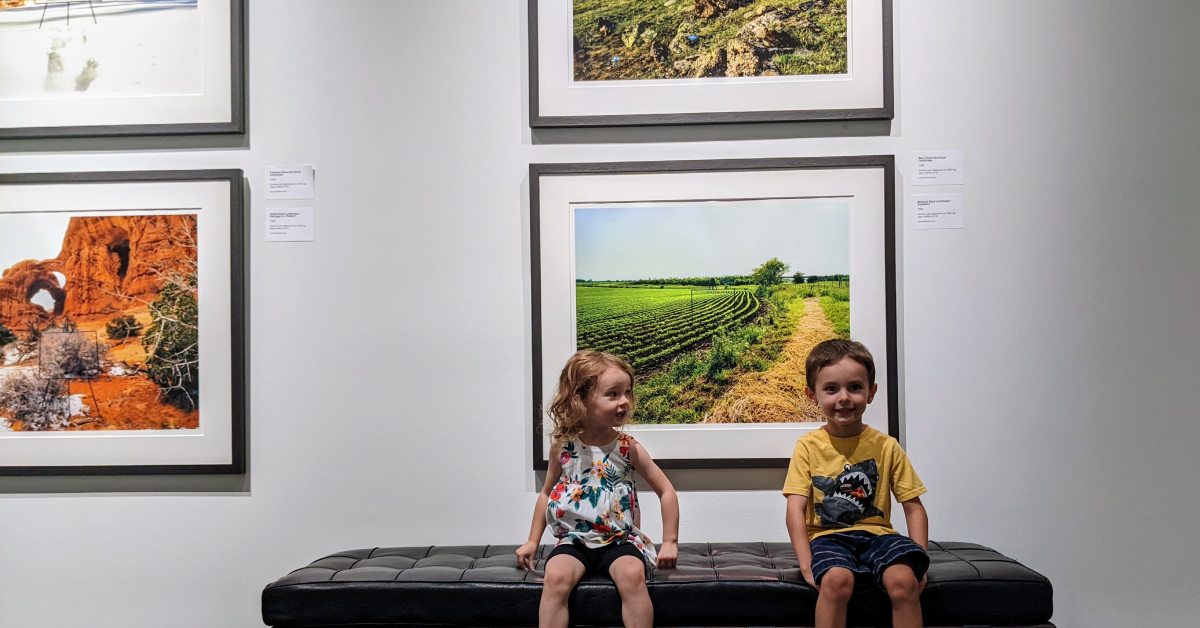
pixel 849 481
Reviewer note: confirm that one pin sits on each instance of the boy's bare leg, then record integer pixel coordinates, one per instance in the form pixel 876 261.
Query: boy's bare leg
pixel 836 587
pixel 905 592
pixel 562 574
pixel 629 574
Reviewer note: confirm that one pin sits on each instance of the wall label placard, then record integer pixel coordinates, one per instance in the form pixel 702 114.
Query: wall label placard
pixel 291 183
pixel 938 211
pixel 291 224
pixel 938 167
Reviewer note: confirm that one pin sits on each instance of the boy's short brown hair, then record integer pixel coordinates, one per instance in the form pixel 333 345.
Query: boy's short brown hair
pixel 831 352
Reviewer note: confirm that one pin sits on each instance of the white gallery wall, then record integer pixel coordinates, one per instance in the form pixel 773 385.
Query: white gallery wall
pixel 1050 350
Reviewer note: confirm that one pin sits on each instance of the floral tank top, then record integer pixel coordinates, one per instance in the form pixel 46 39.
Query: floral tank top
pixel 594 502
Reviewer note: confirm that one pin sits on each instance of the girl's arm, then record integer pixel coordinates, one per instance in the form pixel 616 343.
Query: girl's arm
pixel 668 552
pixel 527 549
pixel 798 532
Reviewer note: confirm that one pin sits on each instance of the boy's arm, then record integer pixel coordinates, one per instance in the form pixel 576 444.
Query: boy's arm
pixel 668 551
pixel 918 528
pixel 798 531
pixel 918 521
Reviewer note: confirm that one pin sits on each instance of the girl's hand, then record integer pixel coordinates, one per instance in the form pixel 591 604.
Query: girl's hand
pixel 668 552
pixel 525 555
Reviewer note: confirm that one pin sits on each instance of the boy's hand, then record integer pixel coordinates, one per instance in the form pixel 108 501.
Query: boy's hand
pixel 525 555
pixel 668 552
pixel 806 571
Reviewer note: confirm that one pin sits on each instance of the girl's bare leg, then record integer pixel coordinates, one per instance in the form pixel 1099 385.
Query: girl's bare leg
pixel 629 574
pixel 562 574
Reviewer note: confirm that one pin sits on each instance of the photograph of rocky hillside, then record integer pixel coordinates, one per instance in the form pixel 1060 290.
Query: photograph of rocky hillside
pixel 693 39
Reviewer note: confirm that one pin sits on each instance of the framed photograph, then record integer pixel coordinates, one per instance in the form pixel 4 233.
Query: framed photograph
pixel 122 324
pixel 662 62
pixel 105 68
pixel 714 279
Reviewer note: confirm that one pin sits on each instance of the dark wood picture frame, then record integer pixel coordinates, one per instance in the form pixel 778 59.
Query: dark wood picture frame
pixel 235 123
pixel 545 84
pixel 221 271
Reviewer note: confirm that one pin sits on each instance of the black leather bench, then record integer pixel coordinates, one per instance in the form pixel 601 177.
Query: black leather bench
pixel 714 584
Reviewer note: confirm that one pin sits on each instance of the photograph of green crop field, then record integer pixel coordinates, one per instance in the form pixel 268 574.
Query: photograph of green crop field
pixel 674 39
pixel 714 304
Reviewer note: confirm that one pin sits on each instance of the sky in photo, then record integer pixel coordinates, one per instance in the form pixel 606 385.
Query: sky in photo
pixel 624 242
pixel 35 236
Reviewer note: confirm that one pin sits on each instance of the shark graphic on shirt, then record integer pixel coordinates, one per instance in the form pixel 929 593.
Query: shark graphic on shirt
pixel 850 497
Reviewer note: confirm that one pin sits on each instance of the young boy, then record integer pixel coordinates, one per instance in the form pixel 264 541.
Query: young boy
pixel 838 507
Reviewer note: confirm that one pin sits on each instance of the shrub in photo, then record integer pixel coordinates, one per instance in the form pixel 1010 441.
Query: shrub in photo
pixel 172 345
pixel 42 404
pixel 28 345
pixel 6 336
pixel 123 327
pixel 69 355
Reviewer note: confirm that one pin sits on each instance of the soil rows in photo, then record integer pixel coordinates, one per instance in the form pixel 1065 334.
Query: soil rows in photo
pixel 716 354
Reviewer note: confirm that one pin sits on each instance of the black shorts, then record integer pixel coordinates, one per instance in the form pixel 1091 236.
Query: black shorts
pixel 597 560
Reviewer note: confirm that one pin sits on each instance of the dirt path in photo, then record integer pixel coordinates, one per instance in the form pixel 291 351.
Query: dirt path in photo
pixel 776 395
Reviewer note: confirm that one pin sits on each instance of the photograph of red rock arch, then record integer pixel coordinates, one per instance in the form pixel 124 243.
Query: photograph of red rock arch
pixel 99 321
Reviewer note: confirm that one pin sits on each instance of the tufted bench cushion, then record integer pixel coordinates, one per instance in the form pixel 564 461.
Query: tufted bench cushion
pixel 714 584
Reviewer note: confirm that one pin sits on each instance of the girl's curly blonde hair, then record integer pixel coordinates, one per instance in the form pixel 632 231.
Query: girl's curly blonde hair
pixel 576 381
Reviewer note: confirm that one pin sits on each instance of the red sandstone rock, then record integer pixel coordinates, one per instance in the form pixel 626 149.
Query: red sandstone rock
pixel 111 264
pixel 19 284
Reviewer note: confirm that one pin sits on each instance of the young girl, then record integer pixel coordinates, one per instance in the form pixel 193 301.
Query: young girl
pixel 589 499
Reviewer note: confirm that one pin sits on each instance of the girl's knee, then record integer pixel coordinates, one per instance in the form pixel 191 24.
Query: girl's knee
pixel 561 576
pixel 557 588
pixel 628 573
pixel 558 585
pixel 837 583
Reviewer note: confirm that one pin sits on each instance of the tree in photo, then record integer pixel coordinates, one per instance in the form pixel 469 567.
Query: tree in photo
pixel 172 346
pixel 770 273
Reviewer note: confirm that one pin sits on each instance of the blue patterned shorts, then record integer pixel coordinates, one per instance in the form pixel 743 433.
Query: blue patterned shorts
pixel 864 554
